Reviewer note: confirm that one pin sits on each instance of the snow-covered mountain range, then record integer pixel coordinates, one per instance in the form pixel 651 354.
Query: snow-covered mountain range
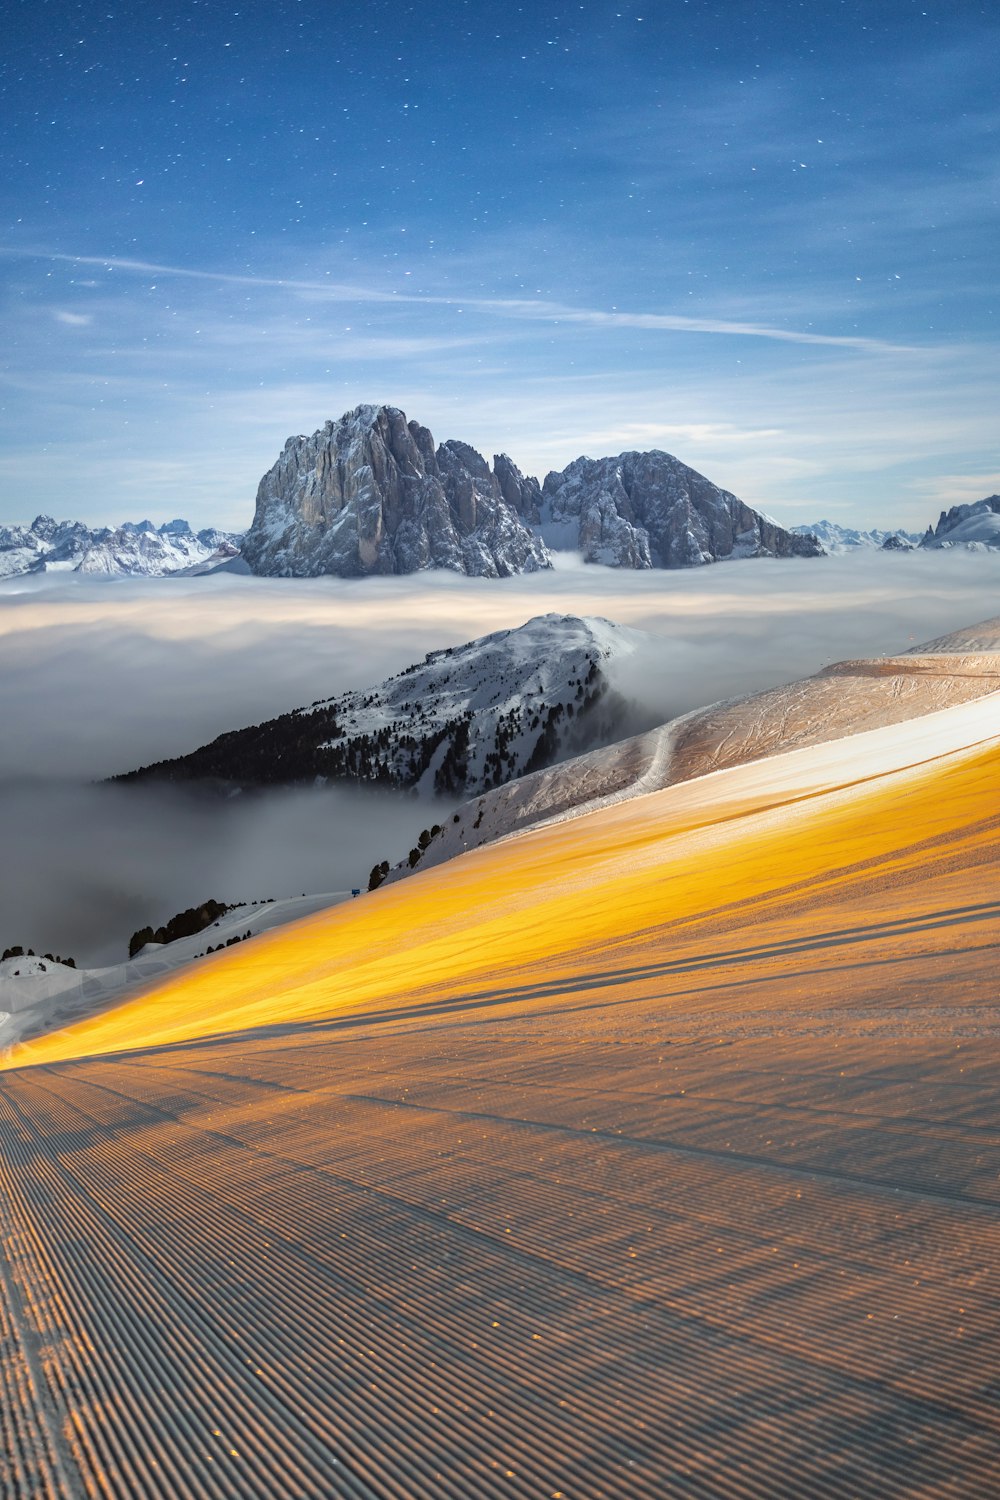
pixel 464 720
pixel 134 549
pixel 836 538
pixel 976 526
pixel 371 494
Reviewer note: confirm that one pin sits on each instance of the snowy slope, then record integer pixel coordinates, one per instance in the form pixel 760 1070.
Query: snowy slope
pixel 528 903
pixel 851 722
pixel 649 1154
pixel 38 996
pixel 981 638
pixel 465 719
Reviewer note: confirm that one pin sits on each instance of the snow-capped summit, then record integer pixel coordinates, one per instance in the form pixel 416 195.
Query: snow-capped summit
pixel 370 493
pixel 463 720
pixel 976 526
pixel 136 548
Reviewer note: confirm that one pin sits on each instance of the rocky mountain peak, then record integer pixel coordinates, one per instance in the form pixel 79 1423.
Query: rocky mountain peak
pixel 371 494
pixel 644 510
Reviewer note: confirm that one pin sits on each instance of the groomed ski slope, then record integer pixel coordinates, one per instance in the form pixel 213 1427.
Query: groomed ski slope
pixel 649 1153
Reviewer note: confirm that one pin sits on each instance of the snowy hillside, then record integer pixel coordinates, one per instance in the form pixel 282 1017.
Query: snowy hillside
pixel 462 721
pixel 134 549
pixel 483 679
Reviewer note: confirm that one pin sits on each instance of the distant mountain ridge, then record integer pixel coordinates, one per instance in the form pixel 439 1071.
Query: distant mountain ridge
pixel 975 526
pixel 134 549
pixel 836 538
pixel 371 493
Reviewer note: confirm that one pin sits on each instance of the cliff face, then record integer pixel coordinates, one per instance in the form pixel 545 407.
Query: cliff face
pixel 371 494
pixel 649 510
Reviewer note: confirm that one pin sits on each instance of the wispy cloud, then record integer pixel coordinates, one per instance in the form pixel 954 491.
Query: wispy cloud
pixel 72 319
pixel 947 490
pixel 510 307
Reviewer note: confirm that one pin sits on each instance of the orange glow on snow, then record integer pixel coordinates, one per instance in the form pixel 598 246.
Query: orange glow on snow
pixel 551 906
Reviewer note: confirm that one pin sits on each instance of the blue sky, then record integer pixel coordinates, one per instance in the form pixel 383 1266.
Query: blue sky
pixel 763 237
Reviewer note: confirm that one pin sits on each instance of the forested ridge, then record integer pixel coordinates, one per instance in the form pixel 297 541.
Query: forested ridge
pixel 470 751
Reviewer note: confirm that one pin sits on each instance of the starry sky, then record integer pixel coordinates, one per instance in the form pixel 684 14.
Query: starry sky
pixel 762 236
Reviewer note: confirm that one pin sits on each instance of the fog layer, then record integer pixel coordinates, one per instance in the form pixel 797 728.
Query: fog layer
pixel 85 866
pixel 101 676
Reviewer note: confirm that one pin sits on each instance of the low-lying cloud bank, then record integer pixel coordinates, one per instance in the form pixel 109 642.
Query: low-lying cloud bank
pixel 98 677
pixel 85 866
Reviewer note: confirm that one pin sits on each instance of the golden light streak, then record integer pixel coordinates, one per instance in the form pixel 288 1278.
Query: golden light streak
pixel 548 907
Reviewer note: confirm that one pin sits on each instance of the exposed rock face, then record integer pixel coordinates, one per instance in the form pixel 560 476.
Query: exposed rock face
pixel 519 490
pixel 649 510
pixel 134 549
pixel 370 494
pixel 975 526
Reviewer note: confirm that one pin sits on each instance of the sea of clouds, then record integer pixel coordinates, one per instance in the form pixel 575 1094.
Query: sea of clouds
pixel 100 676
